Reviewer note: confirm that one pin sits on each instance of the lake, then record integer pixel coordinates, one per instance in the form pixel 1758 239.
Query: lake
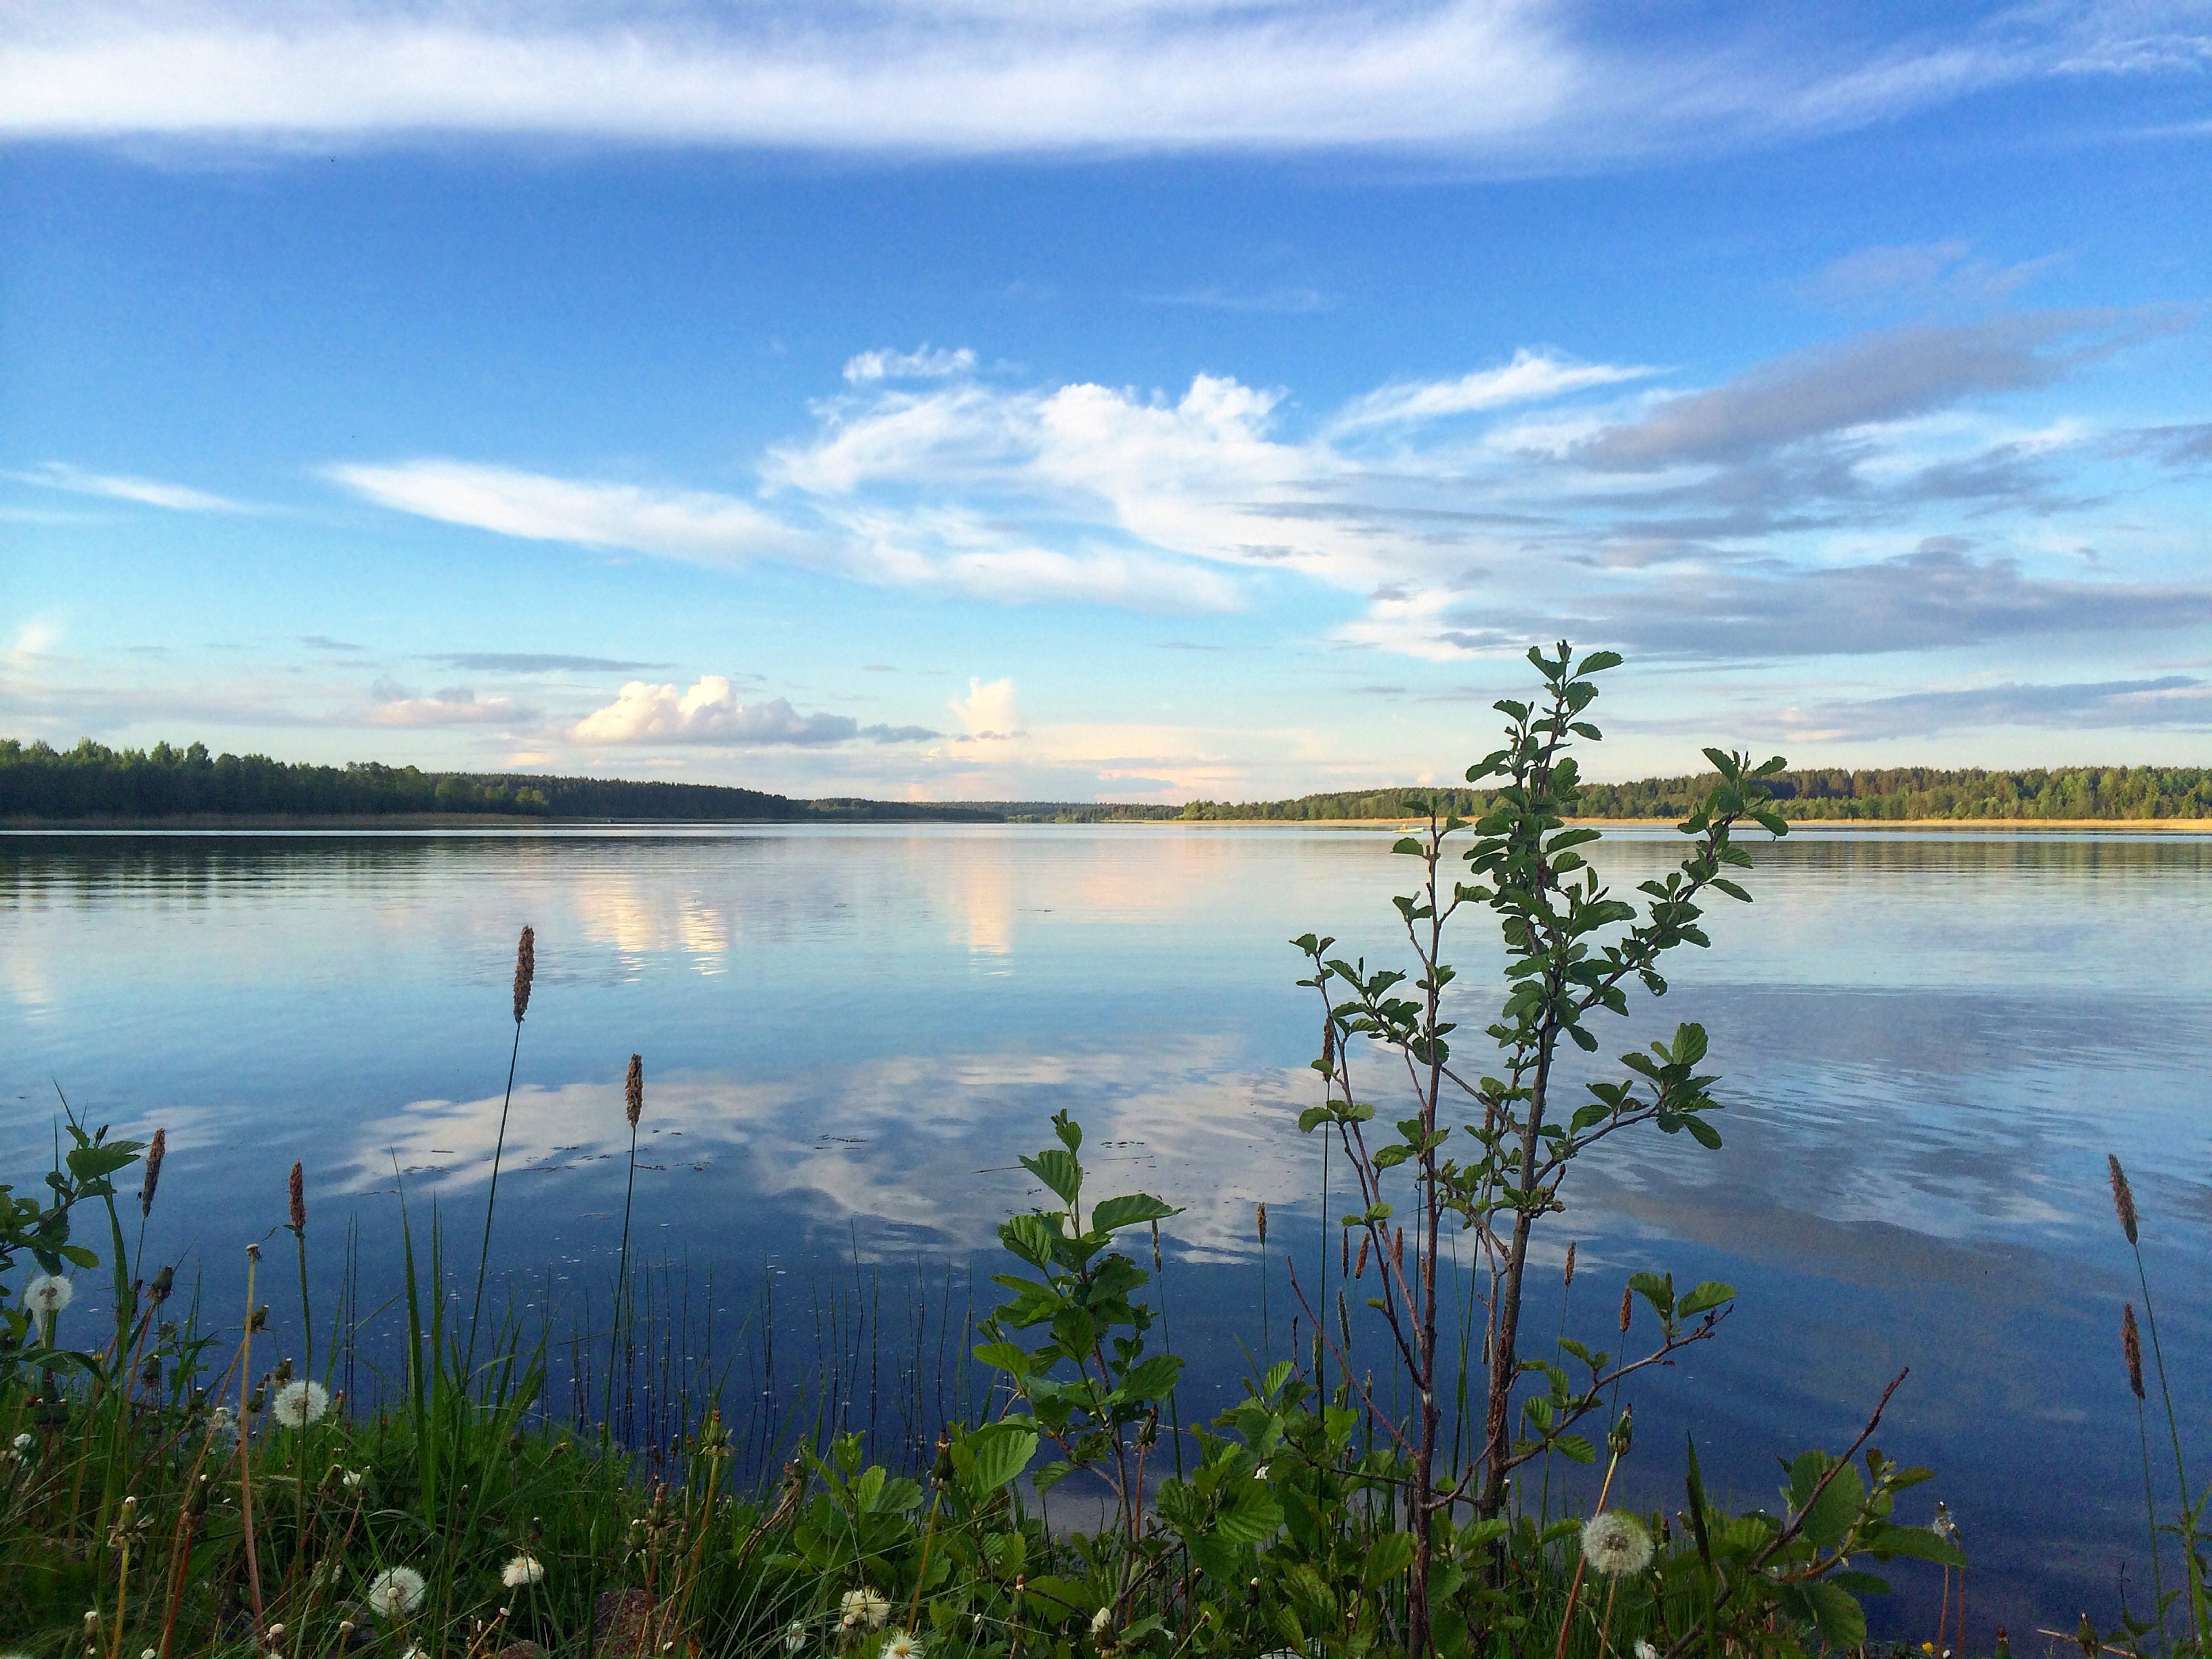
pixel 1927 1043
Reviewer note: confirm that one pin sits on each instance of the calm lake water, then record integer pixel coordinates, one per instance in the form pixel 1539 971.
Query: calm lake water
pixel 1929 1044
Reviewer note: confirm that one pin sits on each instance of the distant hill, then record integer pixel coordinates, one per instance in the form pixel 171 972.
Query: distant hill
pixel 92 783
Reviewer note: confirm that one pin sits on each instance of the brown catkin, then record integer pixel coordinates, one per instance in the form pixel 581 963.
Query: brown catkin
pixel 2131 1345
pixel 154 1153
pixel 2124 1198
pixel 525 969
pixel 634 1089
pixel 1260 1216
pixel 1398 1249
pixel 1570 1283
pixel 298 1194
pixel 1627 1307
pixel 1366 1239
pixel 1344 1250
pixel 1328 1046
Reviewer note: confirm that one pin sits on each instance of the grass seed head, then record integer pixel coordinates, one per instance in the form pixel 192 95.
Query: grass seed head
pixel 2131 1347
pixel 2124 1198
pixel 1570 1283
pixel 296 1194
pixel 634 1089
pixel 154 1153
pixel 525 969
pixel 1261 1219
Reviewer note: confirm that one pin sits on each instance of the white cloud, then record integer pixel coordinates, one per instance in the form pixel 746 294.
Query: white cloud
pixel 709 713
pixel 1509 82
pixel 455 705
pixel 146 492
pixel 35 638
pixel 699 526
pixel 1531 377
pixel 923 365
pixel 988 711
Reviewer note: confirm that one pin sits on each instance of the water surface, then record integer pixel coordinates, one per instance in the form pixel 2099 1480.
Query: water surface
pixel 1929 1043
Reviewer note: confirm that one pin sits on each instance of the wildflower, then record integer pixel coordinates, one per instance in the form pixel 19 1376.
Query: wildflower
pixel 1616 1544
pixel 901 1645
pixel 863 1606
pixel 299 1404
pixel 523 1570
pixel 23 1442
pixel 1944 1527
pixel 1645 1650
pixel 794 1636
pixel 48 1295
pixel 1102 1625
pixel 351 1479
pixel 395 1590
pixel 1259 1473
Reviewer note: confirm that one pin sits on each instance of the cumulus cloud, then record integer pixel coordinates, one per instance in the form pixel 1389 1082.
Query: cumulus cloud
pixel 709 713
pixel 145 492
pixel 1500 82
pixel 927 364
pixel 987 713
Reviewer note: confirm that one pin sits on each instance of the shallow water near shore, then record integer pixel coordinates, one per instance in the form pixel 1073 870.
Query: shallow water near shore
pixel 1928 1043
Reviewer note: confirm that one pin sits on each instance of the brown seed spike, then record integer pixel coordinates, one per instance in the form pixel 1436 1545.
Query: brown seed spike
pixel 154 1153
pixel 2131 1347
pixel 298 1194
pixel 634 1089
pixel 1260 1215
pixel 1627 1309
pixel 526 971
pixel 2124 1198
pixel 1570 1284
pixel 1366 1239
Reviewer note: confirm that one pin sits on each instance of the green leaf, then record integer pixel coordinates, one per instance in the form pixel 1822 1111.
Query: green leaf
pixel 1150 1379
pixel 1063 1596
pixel 1597 662
pixel 1574 1449
pixel 1248 1514
pixel 1059 1172
pixel 1114 1214
pixel 1834 1613
pixel 1004 1356
pixel 1829 1518
pixel 1387 1556
pixel 1049 1475
pixel 1711 1294
pixel 1002 1451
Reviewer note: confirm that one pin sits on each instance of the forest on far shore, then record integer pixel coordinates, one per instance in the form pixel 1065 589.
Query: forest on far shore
pixel 92 782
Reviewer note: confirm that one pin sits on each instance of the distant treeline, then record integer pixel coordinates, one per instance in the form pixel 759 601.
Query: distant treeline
pixel 1874 793
pixel 93 782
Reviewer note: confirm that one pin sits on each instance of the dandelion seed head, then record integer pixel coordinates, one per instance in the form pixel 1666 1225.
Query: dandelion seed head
pixel 23 1442
pixel 1616 1544
pixel 301 1403
pixel 395 1591
pixel 1645 1650
pixel 48 1294
pixel 523 1570
pixel 863 1606
pixel 901 1644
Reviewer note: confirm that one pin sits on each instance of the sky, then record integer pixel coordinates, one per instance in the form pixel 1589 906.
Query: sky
pixel 1155 399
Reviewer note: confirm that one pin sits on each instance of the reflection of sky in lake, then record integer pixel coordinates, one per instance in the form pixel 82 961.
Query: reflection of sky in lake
pixel 1928 1045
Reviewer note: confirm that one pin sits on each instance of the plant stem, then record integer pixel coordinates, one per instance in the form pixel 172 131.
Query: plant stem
pixel 491 1200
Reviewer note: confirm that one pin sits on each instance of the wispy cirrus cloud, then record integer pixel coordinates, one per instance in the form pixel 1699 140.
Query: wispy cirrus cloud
pixel 117 487
pixel 1504 82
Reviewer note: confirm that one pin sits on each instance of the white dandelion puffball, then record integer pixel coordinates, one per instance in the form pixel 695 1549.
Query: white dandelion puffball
pixel 23 1442
pixel 395 1590
pixel 222 1428
pixel 863 1606
pixel 299 1404
pixel 1645 1650
pixel 523 1570
pixel 1616 1544
pixel 794 1638
pixel 901 1645
pixel 1102 1624
pixel 48 1295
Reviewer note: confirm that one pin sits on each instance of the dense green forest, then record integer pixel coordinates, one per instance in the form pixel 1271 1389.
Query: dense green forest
pixel 93 782
pixel 1889 793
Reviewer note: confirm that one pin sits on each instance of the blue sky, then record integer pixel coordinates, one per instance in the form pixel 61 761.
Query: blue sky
pixel 952 400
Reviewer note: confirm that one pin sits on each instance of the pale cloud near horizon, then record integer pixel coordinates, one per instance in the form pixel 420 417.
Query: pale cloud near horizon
pixel 1511 84
pixel 708 712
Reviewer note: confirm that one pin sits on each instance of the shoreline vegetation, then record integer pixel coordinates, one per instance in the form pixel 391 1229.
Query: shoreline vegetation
pixel 92 786
pixel 177 1480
